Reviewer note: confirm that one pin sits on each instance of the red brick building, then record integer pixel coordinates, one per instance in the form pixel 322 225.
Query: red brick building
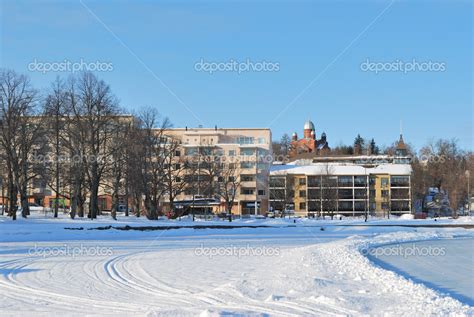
pixel 309 143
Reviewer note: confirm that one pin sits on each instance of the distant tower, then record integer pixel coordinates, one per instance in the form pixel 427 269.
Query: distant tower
pixel 401 149
pixel 308 128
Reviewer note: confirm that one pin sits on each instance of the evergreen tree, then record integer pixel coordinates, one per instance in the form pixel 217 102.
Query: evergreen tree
pixel 374 149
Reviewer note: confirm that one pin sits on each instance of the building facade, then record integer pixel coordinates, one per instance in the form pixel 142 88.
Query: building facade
pixel 341 187
pixel 247 150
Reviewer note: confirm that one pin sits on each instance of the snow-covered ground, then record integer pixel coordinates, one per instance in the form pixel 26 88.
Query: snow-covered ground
pixel 311 267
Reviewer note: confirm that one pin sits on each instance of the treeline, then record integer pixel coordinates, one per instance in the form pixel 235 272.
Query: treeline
pixel 76 140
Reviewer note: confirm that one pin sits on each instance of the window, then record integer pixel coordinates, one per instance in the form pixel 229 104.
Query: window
pixel 314 194
pixel 247 165
pixel 302 193
pixel 314 206
pixel 277 182
pixel 385 206
pixel 247 178
pixel 384 182
pixel 400 181
pixel 220 179
pixel 302 206
pixel 345 194
pixel 400 205
pixel 360 181
pixel 177 153
pixel 314 181
pixel 360 206
pixel 261 141
pixel 277 194
pixel 360 193
pixel 400 193
pixel 344 181
pixel 231 152
pixel 178 179
pixel 302 181
pixel 345 206
pixel 191 151
pixel 372 180
pixel 247 191
pixel 245 140
pixel 261 192
pixel 177 166
pixel 231 179
pixel 247 152
pixel 384 193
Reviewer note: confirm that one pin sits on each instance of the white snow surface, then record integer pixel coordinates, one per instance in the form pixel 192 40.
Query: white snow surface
pixel 309 271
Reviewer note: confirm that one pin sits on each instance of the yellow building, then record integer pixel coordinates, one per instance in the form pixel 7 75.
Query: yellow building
pixel 351 185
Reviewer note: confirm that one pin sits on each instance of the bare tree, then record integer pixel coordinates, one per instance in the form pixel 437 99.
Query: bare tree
pixel 115 177
pixel 228 183
pixel 155 147
pixel 95 114
pixel 55 108
pixel 329 199
pixel 174 172
pixel 282 192
pixel 19 135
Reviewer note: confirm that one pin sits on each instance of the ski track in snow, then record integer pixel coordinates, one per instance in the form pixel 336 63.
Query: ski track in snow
pixel 324 279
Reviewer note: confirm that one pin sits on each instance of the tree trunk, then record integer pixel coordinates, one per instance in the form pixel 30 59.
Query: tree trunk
pixel 115 200
pixel 25 208
pixel 12 208
pixel 94 200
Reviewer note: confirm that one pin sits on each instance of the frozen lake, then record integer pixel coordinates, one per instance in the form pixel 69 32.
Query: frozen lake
pixel 446 265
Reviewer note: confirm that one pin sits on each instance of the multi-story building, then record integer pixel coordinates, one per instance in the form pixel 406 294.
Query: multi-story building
pixel 249 149
pixel 348 185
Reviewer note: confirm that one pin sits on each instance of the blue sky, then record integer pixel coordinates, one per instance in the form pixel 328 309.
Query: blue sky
pixel 319 47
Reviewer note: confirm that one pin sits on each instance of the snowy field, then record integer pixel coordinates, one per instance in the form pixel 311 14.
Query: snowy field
pixel 311 267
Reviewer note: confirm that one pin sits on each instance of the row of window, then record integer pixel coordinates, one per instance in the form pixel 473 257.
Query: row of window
pixel 251 191
pixel 191 151
pixel 354 206
pixel 344 193
pixel 239 140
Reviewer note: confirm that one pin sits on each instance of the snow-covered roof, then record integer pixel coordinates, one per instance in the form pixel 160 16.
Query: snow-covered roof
pixel 340 169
